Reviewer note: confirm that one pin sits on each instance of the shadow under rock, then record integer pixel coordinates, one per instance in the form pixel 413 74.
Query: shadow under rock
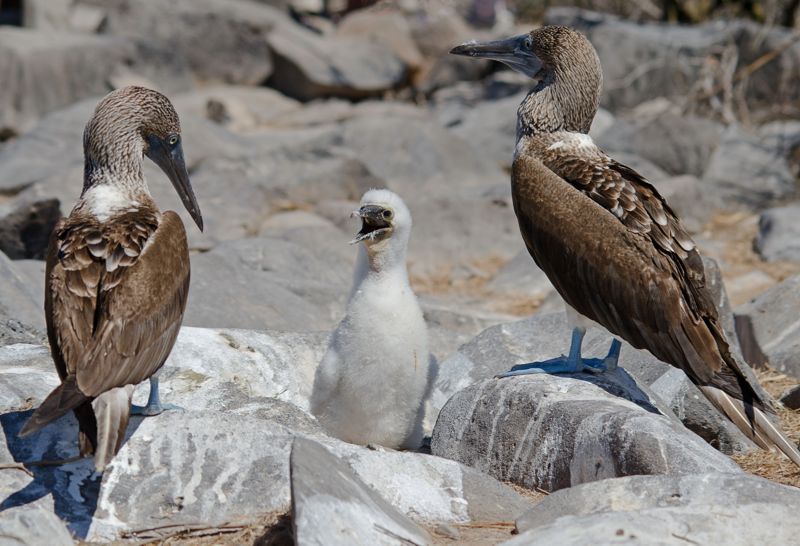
pixel 75 486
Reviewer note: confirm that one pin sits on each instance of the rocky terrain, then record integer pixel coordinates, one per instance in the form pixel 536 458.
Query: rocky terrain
pixel 287 118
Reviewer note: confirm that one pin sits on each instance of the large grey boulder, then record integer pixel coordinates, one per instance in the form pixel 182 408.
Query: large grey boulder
pixel 222 40
pixel 713 508
pixel 778 234
pixel 545 336
pixel 308 66
pixel 42 71
pixel 677 144
pixel 739 159
pixel 774 325
pixel 552 432
pixel 330 505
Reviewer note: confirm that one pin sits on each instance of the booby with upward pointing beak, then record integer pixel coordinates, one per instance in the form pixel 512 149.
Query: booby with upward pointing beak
pixel 371 385
pixel 117 275
pixel 609 243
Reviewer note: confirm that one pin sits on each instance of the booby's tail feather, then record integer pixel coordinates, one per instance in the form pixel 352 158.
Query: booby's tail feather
pixel 64 398
pixel 752 422
pixel 112 410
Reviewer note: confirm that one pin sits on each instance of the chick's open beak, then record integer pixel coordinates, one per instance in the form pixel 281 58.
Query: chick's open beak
pixel 373 223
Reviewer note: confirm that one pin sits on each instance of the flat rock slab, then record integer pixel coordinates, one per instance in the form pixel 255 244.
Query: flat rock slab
pixel 550 432
pixel 331 506
pixel 713 508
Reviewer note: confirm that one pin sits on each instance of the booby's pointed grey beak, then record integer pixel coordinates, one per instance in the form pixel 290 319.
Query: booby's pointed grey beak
pixel 167 153
pixel 375 222
pixel 516 52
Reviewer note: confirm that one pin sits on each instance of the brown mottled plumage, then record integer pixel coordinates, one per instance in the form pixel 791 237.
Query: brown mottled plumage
pixel 117 276
pixel 606 239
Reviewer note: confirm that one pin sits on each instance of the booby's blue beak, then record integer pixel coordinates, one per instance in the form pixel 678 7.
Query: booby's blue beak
pixel 167 153
pixel 516 52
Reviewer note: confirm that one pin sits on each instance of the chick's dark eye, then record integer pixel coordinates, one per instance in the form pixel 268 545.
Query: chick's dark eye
pixel 528 43
pixel 387 214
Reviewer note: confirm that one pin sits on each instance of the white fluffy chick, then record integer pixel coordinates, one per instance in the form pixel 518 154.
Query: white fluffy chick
pixel 371 385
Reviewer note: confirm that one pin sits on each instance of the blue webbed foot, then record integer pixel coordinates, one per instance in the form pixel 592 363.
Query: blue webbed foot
pixel 154 405
pixel 573 363
pixel 151 410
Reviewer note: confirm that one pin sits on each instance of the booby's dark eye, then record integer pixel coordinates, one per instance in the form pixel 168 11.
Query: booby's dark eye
pixel 528 43
pixel 387 214
pixel 173 140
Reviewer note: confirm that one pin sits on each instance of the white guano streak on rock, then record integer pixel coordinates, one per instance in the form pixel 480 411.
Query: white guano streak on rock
pixel 493 432
pixel 526 439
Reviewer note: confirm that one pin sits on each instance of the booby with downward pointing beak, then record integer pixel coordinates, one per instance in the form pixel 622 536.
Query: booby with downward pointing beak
pixel 371 385
pixel 609 243
pixel 117 275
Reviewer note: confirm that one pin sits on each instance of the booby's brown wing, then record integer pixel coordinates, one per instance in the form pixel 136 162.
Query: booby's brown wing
pixel 114 300
pixel 140 281
pixel 618 255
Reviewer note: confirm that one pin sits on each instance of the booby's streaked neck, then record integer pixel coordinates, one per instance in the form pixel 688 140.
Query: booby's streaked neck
pixel 538 114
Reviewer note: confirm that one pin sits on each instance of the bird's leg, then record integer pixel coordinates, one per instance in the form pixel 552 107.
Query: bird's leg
pixel 154 405
pixel 573 363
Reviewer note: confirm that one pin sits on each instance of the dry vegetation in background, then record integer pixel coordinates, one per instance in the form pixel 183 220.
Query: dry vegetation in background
pixel 772 465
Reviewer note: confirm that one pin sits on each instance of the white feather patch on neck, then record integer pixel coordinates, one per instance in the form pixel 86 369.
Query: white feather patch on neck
pixel 106 200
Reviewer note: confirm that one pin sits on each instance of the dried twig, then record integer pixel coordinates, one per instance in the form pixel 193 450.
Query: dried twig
pixel 194 530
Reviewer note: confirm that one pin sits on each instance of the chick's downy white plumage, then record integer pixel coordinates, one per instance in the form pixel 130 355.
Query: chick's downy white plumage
pixel 371 385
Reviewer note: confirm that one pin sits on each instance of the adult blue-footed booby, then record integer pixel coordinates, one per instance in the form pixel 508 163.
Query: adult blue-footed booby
pixel 371 384
pixel 117 274
pixel 609 243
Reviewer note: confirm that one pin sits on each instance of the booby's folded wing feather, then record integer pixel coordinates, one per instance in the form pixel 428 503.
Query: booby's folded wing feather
pixel 114 299
pixel 117 298
pixel 616 187
pixel 621 277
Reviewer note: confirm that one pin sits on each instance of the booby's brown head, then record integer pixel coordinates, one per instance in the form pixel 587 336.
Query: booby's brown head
pixel 127 125
pixel 567 71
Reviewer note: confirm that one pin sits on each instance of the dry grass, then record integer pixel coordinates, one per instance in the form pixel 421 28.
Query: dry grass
pixel 269 530
pixel 775 466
